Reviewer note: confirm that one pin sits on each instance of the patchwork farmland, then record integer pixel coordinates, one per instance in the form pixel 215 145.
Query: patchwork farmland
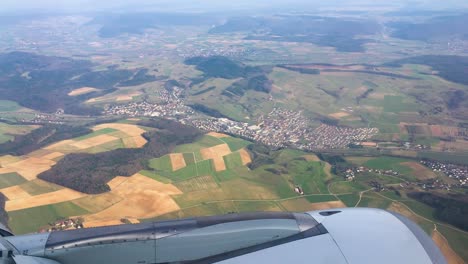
pixel 217 174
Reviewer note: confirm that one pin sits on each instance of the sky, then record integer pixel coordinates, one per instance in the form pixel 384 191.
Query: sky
pixel 97 5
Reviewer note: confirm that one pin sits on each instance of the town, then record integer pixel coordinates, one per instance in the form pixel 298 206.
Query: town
pixel 458 172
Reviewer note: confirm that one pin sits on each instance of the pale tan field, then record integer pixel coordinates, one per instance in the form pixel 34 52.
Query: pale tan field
pixel 177 161
pixel 99 202
pixel 216 153
pixel 341 74
pixel 29 168
pixel 447 251
pixel 297 205
pixel 129 129
pixel 311 158
pixel 143 198
pixel 53 155
pixel 369 144
pixel 327 205
pixel 60 145
pixel 420 171
pixel 39 153
pixel 217 135
pixel 302 205
pixel 43 199
pixel 94 141
pixel 6 170
pixel 83 90
pixel 457 145
pixel 129 142
pixel 339 115
pixel 14 193
pixel 197 183
pixel 127 97
pixel 7 159
pixel 99 223
pixel 399 208
pixel 116 182
pixel 139 141
pixel 245 157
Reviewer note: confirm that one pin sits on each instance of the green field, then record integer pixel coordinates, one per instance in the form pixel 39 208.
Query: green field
pixel 235 144
pixel 189 158
pixel 103 131
pixel 396 104
pixel 459 158
pixel 233 160
pixel 347 187
pixel 388 163
pixel 457 240
pixel 8 132
pixel 349 200
pixel 8 106
pixel 205 167
pixel 10 179
pixel 204 142
pixel 30 220
pixel 161 164
pixel 36 187
pixel 153 175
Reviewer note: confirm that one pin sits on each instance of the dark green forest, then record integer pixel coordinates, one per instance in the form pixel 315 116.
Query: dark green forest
pixel 43 82
pixel 38 138
pixel 89 173
pixel 452 211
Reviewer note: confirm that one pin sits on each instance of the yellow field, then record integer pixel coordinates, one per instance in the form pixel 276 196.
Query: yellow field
pixel 301 204
pixel 245 157
pixel 83 90
pixel 216 153
pixel 421 172
pixel 14 193
pixel 339 115
pixel 53 155
pixel 98 223
pixel 59 146
pixel 29 168
pixel 7 159
pixel 43 199
pixel 327 205
pixel 447 251
pixel 177 161
pixel 142 198
pixel 217 135
pixel 94 141
pixel 312 158
pixel 127 97
pixel 134 139
pixel 399 208
pixel 99 202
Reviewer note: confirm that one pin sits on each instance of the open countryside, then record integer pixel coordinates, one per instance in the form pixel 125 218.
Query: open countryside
pixel 204 178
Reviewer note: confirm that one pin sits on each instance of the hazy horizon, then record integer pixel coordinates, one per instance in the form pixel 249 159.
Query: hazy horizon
pixel 77 6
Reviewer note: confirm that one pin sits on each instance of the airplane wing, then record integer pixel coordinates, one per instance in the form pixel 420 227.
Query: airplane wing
pixel 351 235
pixel 32 260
